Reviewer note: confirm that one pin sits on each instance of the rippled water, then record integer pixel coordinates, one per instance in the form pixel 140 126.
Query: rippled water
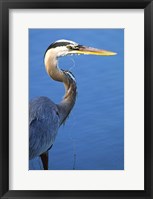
pixel 93 136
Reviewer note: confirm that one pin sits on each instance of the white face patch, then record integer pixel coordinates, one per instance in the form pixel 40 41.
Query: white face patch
pixel 61 51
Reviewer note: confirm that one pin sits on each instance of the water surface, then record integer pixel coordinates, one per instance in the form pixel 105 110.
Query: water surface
pixel 93 136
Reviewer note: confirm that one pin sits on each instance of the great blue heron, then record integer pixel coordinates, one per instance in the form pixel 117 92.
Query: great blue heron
pixel 45 117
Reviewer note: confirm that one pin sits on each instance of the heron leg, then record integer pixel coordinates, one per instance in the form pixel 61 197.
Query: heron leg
pixel 44 159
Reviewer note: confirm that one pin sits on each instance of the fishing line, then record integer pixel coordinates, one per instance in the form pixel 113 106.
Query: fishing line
pixel 71 67
pixel 73 62
pixel 73 144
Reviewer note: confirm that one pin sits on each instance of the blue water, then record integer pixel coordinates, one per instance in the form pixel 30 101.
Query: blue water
pixel 93 136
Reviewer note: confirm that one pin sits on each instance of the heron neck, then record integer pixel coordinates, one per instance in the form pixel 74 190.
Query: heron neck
pixel 51 64
pixel 68 101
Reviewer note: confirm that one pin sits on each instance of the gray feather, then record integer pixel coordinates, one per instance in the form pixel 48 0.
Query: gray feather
pixel 43 125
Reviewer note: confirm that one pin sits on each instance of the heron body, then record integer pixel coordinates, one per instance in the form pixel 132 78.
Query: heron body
pixel 45 117
pixel 45 121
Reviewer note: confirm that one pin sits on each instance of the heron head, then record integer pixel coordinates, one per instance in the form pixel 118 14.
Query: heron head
pixel 67 47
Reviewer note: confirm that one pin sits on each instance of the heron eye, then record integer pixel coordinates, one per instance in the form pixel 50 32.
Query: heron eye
pixel 69 47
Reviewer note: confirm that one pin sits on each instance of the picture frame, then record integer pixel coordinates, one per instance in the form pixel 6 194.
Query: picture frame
pixel 5 6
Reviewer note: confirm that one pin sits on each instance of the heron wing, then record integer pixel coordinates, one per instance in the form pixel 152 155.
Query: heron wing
pixel 43 125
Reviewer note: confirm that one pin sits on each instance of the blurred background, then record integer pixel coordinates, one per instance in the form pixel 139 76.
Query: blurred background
pixel 93 135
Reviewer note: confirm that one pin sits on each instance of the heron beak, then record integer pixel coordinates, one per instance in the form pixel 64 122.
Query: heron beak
pixel 92 51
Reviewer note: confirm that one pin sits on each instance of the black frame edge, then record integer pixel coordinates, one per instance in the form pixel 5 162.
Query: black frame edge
pixel 3 114
pixel 4 103
pixel 147 99
pixel 4 99
pixel 79 4
pixel 1 179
